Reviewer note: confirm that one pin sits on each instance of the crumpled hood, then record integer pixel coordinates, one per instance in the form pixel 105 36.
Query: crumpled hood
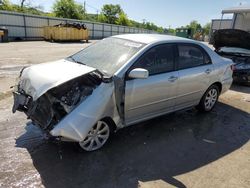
pixel 38 79
pixel 230 38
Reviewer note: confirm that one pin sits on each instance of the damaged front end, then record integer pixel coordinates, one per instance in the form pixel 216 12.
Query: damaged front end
pixel 56 103
pixel 48 93
pixel 66 99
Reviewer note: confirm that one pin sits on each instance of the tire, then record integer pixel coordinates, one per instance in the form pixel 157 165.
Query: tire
pixel 97 136
pixel 209 99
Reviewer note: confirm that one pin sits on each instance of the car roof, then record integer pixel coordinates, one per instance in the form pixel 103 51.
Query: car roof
pixel 151 38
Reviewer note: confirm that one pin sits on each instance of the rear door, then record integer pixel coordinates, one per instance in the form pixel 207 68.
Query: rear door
pixel 146 98
pixel 195 72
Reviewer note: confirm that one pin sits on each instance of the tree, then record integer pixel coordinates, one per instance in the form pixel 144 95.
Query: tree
pixel 68 9
pixel 5 5
pixel 123 20
pixel 110 13
pixel 206 28
pixel 195 26
pixel 171 31
pixel 102 18
pixel 160 30
pixel 150 26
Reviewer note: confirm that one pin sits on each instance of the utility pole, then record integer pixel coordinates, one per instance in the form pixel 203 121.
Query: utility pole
pixel 84 9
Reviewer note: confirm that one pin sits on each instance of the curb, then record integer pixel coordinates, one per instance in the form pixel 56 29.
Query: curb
pixel 6 94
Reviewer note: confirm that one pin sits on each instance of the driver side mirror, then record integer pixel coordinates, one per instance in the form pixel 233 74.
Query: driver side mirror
pixel 139 73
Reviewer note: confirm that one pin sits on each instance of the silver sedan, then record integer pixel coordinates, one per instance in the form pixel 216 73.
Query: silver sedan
pixel 118 82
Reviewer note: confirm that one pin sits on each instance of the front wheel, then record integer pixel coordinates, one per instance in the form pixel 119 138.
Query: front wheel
pixel 209 99
pixel 97 136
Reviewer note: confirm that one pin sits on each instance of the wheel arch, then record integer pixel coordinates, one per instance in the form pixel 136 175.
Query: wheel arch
pixel 110 122
pixel 218 84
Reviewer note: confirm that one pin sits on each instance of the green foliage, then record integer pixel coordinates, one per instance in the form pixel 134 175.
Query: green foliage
pixel 5 5
pixel 123 20
pixel 150 26
pixel 206 28
pixel 68 9
pixel 136 24
pixel 195 26
pixel 91 17
pixel 160 30
pixel 102 18
pixel 172 31
pixel 111 13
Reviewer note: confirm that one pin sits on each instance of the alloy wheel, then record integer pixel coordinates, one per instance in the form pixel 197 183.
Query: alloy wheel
pixel 211 99
pixel 96 137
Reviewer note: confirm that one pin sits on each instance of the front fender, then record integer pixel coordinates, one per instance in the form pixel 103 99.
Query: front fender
pixel 76 125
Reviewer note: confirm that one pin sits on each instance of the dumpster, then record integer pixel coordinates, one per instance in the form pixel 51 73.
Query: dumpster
pixel 184 32
pixel 66 32
pixel 3 34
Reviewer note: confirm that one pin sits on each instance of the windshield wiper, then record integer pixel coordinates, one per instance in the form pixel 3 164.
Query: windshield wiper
pixel 106 78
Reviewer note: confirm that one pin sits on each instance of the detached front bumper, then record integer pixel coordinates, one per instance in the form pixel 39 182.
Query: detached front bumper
pixel 21 102
pixel 24 103
pixel 38 111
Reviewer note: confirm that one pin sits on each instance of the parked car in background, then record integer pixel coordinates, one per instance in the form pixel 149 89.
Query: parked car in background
pixel 120 81
pixel 235 44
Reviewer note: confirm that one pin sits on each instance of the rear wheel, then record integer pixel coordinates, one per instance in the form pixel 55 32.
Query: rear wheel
pixel 97 136
pixel 209 99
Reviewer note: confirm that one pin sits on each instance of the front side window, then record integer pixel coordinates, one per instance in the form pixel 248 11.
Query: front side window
pixel 157 60
pixel 191 56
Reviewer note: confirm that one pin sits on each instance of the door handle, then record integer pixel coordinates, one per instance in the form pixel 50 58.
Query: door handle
pixel 208 71
pixel 172 78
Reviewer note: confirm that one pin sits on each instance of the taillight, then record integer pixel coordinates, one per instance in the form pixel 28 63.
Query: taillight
pixel 233 67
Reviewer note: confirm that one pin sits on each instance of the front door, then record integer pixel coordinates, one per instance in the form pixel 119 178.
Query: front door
pixel 146 98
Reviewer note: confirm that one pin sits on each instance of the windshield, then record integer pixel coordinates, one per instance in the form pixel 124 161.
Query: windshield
pixel 233 50
pixel 107 55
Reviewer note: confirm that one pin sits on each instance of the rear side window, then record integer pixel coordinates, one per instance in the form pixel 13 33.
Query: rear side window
pixel 157 60
pixel 191 56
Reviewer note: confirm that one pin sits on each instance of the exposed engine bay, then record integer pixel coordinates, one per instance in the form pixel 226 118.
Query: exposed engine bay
pixel 236 59
pixel 56 103
pixel 234 44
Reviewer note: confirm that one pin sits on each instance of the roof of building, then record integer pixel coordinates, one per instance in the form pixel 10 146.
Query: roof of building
pixel 150 38
pixel 239 9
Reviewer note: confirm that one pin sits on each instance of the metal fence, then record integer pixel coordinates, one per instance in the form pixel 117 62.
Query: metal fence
pixel 30 27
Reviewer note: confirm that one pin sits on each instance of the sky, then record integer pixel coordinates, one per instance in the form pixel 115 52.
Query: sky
pixel 165 13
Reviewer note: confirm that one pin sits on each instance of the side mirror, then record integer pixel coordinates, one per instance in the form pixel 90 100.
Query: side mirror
pixel 138 73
